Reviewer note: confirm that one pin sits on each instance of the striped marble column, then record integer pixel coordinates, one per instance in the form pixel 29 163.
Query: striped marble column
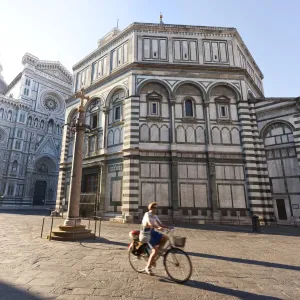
pixel 258 187
pixel 62 169
pixel 263 176
pixel 131 163
pixel 296 132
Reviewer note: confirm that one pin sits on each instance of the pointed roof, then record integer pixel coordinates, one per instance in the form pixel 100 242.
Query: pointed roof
pixel 47 146
pixel 54 68
pixel 3 84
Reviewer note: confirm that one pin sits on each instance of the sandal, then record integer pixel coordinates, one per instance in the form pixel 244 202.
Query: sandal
pixel 149 271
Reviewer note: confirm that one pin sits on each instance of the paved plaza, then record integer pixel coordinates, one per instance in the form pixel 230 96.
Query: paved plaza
pixel 229 262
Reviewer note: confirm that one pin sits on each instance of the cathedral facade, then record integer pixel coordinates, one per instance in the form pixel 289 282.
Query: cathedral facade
pixel 32 109
pixel 172 119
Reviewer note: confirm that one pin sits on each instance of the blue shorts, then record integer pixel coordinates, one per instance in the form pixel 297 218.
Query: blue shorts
pixel 155 238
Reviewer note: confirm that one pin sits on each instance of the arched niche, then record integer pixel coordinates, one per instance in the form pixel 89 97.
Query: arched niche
pixel 154 100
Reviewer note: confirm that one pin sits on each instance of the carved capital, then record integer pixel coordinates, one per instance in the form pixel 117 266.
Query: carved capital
pixel 172 101
pixel 105 110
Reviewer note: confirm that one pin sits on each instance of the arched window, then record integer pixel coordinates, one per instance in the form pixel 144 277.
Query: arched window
pixel 9 114
pixel 50 126
pixel 50 194
pixel 14 166
pixel 10 190
pixel 188 108
pixel 283 168
pixel 29 121
pixel 43 168
pixel 278 133
pixel 116 113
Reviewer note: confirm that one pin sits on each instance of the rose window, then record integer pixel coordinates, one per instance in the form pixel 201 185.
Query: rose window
pixel 50 104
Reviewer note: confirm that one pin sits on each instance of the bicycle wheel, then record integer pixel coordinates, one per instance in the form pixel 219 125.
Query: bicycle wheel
pixel 138 262
pixel 178 265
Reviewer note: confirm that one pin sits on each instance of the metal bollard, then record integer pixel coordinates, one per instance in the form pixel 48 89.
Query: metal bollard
pixel 255 224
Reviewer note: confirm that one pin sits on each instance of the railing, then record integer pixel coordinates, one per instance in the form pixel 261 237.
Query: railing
pixel 90 220
pixel 294 221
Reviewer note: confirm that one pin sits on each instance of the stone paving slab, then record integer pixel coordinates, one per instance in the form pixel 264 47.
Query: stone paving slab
pixel 229 263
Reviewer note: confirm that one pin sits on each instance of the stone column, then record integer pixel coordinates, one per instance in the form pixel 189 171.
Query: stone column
pixel 131 163
pixel 61 185
pixel 258 187
pixel 174 184
pixel 102 187
pixel 213 190
pixel 211 178
pixel 105 124
pixel 76 173
pixel 172 117
pixel 28 184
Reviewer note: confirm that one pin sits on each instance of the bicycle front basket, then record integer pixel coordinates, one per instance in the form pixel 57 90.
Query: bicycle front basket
pixel 178 241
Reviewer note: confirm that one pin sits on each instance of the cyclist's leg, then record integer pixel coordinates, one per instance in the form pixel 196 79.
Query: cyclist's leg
pixel 154 252
pixel 163 241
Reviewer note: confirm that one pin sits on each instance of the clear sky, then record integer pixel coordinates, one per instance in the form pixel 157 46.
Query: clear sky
pixel 67 30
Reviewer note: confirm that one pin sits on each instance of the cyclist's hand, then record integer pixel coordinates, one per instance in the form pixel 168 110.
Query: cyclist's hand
pixel 160 228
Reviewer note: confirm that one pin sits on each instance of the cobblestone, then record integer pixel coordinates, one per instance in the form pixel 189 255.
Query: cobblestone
pixel 229 263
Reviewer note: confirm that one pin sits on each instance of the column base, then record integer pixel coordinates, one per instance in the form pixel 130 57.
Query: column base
pixel 72 222
pixel 71 233
pixel 216 216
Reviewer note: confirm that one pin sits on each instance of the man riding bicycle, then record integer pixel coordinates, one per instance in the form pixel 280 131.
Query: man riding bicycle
pixel 151 222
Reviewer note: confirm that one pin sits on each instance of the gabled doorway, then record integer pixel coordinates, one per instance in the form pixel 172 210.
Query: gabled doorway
pixel 39 192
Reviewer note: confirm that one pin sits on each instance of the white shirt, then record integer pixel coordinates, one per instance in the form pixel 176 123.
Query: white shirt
pixel 150 218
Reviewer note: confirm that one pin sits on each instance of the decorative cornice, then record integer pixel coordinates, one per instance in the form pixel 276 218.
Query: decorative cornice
pixel 14 102
pixel 53 65
pixel 272 110
pixel 158 67
pixel 48 76
pixel 157 28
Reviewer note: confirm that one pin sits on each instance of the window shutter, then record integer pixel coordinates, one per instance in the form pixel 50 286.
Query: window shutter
pixel 207 53
pixel 146 48
pixel 193 51
pixel 163 49
pixel 104 65
pixel 177 50
pixel 215 51
pixel 154 48
pixel 223 52
pixel 125 53
pixel 185 50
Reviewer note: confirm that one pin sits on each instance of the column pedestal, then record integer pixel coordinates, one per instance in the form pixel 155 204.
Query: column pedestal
pixel 72 229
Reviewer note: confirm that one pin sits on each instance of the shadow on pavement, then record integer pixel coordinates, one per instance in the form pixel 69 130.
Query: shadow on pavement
pixel 37 212
pixel 287 231
pixel 12 292
pixel 106 242
pixel 227 291
pixel 246 261
pixel 205 286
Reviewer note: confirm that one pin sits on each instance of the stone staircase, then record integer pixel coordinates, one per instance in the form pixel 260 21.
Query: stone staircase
pixel 70 233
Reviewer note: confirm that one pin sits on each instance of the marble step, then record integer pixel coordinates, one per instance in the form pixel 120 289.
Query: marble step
pixel 71 228
pixel 70 233
pixel 81 236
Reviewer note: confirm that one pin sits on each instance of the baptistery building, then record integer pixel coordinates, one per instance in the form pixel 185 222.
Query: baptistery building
pixel 32 109
pixel 172 118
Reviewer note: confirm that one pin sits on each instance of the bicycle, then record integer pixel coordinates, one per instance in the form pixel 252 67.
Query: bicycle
pixel 171 253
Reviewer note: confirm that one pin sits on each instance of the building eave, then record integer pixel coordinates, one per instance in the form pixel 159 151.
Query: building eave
pixel 155 27
pixel 14 81
pixel 240 40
